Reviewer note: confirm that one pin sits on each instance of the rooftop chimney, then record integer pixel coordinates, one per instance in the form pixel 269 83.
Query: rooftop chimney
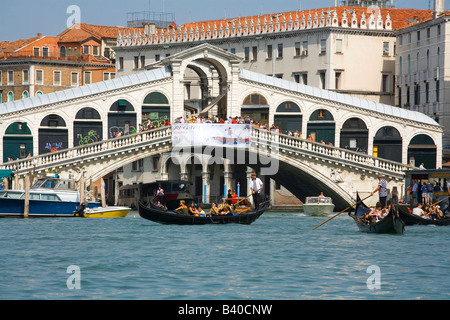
pixel 150 28
pixel 438 8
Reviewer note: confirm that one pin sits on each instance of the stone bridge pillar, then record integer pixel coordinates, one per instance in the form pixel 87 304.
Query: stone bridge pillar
pixel 206 187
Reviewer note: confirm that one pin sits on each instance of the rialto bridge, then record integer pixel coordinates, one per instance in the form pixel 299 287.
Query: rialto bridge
pixel 73 131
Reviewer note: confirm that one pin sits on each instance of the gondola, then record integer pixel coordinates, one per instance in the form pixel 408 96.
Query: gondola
pixel 157 214
pixel 392 223
pixel 411 219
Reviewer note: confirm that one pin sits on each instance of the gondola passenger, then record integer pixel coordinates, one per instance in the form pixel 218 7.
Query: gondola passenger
pixel 183 208
pixel 214 210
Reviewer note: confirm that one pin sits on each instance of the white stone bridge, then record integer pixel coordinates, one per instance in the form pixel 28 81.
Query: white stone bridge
pixel 303 167
pixel 77 126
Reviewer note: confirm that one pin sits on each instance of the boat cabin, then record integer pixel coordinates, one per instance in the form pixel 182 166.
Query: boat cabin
pixel 50 183
pixel 318 200
pixel 20 194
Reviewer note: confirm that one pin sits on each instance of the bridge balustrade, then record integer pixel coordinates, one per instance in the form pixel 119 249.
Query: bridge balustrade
pixel 291 143
pixel 283 143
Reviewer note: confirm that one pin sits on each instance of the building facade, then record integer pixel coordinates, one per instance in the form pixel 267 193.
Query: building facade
pixel 80 55
pixel 333 49
pixel 422 71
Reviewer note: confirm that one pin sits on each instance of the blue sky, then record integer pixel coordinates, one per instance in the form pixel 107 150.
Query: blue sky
pixel 20 19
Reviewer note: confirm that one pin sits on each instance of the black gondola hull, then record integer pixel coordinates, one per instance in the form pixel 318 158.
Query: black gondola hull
pixel 411 219
pixel 392 223
pixel 169 217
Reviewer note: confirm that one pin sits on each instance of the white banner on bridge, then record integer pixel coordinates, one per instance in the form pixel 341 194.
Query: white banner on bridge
pixel 211 134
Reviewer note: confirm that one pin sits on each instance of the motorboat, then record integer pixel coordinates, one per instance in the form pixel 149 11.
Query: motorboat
pixel 318 206
pixel 51 196
pixel 106 212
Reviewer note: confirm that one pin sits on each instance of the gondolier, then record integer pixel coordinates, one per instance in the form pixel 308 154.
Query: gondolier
pixel 256 186
pixel 382 190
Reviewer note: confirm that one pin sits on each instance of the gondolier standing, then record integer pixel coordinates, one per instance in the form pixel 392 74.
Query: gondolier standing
pixel 256 186
pixel 382 190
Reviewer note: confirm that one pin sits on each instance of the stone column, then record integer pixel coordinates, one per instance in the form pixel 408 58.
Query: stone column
pixel 177 108
pixel 206 187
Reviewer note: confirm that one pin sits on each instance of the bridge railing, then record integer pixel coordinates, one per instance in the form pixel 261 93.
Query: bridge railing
pixel 298 144
pixel 282 141
pixel 92 149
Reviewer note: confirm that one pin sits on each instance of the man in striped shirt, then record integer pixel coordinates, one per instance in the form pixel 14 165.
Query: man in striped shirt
pixel 382 190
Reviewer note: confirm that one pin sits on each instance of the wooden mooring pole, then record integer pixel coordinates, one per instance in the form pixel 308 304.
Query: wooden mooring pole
pixel 26 210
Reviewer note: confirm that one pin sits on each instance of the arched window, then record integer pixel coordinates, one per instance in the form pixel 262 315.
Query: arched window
pixel 321 127
pixel 53 134
pixel 355 135
pixel 387 144
pixel 25 94
pixel 255 107
pixel 422 149
pixel 88 127
pixel 156 108
pixel 62 52
pixel 288 117
pixel 17 141
pixel 10 96
pixel 121 118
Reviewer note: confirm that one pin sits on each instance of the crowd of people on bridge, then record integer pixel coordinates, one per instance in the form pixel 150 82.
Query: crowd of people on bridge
pixel 149 125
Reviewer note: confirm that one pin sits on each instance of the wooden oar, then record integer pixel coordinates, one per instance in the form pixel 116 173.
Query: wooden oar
pixel 246 197
pixel 439 201
pixel 342 212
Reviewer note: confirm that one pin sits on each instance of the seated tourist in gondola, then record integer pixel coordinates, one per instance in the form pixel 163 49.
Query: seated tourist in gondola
pixel 224 208
pixel 201 212
pixel 440 214
pixel 385 211
pixel 214 210
pixel 375 214
pixel 160 205
pixel 183 209
pixel 193 210
pixel 418 211
pixel 433 213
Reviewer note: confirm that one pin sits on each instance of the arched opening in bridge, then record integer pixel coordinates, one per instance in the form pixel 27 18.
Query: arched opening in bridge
pixel 53 134
pixel 121 118
pixel 87 127
pixel 255 107
pixel 422 149
pixel 321 126
pixel 173 170
pixel 156 109
pixel 17 141
pixel 194 171
pixel 387 144
pixel 355 135
pixel 196 89
pixel 288 117
pixel 206 87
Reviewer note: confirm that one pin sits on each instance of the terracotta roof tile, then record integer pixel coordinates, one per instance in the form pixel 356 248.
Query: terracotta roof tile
pixel 6 46
pixel 399 17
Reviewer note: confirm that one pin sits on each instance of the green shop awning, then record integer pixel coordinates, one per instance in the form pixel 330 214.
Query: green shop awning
pixel 6 173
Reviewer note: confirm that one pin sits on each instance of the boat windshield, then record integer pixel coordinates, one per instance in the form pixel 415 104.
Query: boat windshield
pixel 56 184
pixel 11 194
pixel 318 200
pixel 66 185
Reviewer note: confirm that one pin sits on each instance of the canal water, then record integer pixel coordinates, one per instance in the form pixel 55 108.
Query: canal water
pixel 277 257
